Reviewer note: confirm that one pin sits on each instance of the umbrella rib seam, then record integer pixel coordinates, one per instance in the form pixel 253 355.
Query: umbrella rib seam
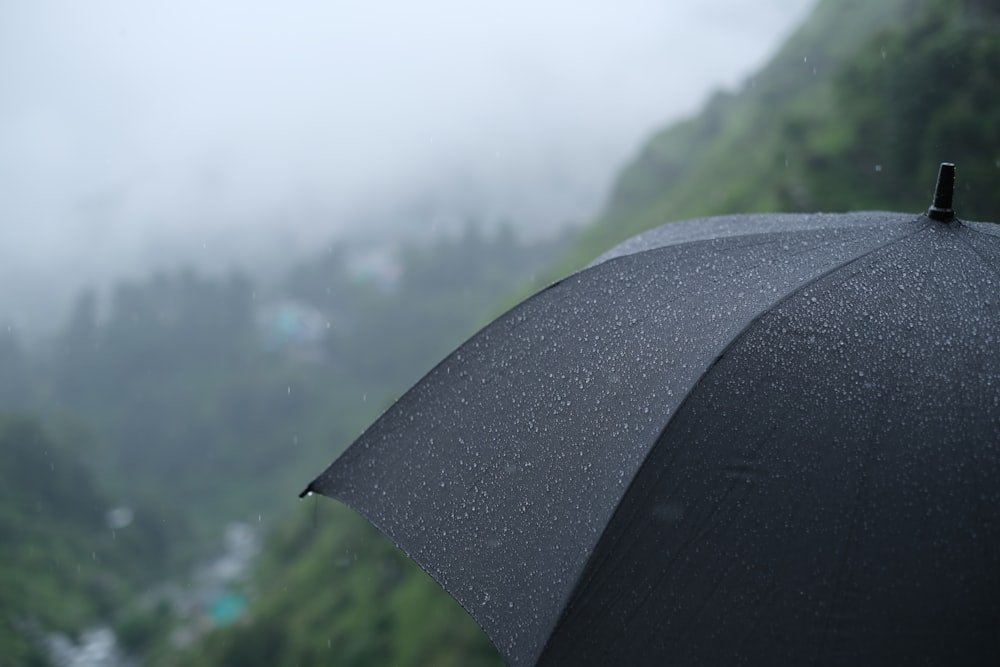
pixel 985 260
pixel 699 242
pixel 790 295
pixel 781 232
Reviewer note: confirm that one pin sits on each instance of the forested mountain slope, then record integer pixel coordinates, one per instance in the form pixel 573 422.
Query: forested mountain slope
pixel 855 112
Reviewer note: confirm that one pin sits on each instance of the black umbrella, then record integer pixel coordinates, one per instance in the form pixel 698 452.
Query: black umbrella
pixel 763 439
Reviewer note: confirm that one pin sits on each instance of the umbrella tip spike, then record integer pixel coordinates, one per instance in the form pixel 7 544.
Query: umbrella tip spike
pixel 308 491
pixel 941 210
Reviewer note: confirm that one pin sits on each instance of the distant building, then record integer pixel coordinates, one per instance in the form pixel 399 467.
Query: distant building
pixel 294 327
pixel 377 265
pixel 119 517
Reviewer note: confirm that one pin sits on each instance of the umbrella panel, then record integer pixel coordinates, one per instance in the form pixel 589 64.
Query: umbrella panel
pixel 827 493
pixel 499 471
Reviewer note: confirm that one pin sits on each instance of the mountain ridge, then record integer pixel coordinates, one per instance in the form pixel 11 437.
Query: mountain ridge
pixel 854 112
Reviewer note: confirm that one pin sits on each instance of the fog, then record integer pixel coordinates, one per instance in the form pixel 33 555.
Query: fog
pixel 149 134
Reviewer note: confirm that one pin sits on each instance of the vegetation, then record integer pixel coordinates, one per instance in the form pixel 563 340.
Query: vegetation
pixel 334 591
pixel 63 566
pixel 855 112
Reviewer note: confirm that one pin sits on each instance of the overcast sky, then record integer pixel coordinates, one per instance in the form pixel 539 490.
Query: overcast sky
pixel 128 128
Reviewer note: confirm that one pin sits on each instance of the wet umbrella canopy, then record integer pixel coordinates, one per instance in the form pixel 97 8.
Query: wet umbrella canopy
pixel 739 440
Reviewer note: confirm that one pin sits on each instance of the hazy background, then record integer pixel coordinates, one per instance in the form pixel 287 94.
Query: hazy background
pixel 136 135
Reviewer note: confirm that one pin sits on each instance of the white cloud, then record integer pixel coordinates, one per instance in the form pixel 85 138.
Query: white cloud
pixel 125 126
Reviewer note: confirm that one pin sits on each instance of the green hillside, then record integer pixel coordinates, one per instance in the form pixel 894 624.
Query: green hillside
pixel 855 112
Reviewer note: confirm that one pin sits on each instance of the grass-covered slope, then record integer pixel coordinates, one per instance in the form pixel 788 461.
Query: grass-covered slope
pixel 854 112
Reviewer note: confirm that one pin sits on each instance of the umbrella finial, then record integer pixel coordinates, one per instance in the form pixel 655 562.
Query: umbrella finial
pixel 941 209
